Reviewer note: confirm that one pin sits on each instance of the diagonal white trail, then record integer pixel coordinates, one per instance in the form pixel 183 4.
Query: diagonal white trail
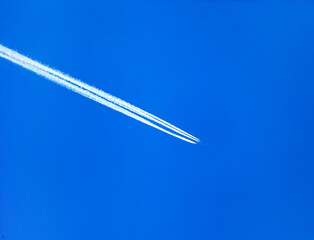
pixel 95 94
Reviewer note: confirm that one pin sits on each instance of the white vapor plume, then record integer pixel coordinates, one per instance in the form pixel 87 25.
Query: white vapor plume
pixel 95 94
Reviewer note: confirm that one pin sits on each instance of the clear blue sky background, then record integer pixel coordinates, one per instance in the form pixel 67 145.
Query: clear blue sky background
pixel 237 74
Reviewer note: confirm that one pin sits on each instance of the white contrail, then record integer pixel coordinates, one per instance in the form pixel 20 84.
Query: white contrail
pixel 95 94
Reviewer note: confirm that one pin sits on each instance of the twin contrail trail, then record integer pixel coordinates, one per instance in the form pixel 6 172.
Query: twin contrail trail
pixel 95 94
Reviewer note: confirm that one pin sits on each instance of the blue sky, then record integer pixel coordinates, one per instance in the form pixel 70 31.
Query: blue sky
pixel 236 74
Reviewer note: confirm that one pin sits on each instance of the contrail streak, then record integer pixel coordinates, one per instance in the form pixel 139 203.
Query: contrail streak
pixel 95 94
